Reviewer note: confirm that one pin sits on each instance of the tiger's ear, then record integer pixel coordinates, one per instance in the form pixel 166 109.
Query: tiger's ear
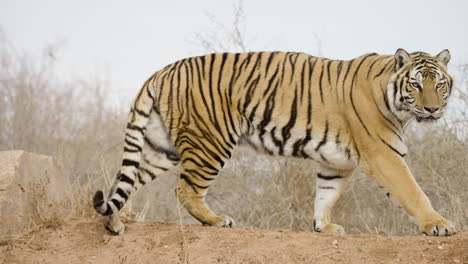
pixel 443 57
pixel 401 58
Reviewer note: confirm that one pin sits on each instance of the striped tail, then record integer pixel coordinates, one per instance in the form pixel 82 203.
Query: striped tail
pixel 133 146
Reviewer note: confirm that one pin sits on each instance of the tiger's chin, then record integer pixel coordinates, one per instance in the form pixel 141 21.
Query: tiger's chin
pixel 427 119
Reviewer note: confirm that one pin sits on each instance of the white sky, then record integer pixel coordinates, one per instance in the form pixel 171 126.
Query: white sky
pixel 126 41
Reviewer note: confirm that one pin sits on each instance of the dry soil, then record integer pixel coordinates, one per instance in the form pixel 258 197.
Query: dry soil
pixel 79 240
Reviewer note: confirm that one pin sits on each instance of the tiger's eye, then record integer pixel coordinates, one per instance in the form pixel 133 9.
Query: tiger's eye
pixel 416 85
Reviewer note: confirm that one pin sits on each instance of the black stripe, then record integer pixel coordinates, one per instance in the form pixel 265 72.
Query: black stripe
pixel 337 139
pixel 320 81
pixel 249 93
pixel 108 211
pixel 122 193
pixel 328 72
pixel 205 163
pixel 140 178
pixel 270 59
pixel 212 140
pixel 154 87
pixel 383 69
pixel 324 139
pixel 286 132
pixel 131 150
pixel 351 91
pixel 133 127
pixel 191 183
pixel 192 146
pixel 245 62
pixel 128 162
pixel 202 61
pixel 270 82
pixel 130 136
pixel 197 173
pixel 117 204
pixel 304 143
pixel 151 174
pixel 141 112
pixel 124 178
pixel 276 141
pixel 292 66
pixel 392 148
pixel 233 127
pixel 323 158
pixel 309 91
pixel 208 139
pixel 211 90
pixel 303 72
pixel 232 81
pixel 393 127
pixel 338 70
pixel 131 144
pixel 154 166
pixel 269 107
pixel 328 178
pixel 327 187
pixel 348 152
pixel 200 87
pixel 372 66
pixel 224 112
pixel 345 77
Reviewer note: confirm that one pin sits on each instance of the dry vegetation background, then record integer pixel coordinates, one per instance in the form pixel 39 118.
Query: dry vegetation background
pixel 72 122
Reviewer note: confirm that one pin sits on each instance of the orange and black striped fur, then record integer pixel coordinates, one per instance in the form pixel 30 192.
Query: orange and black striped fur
pixel 343 114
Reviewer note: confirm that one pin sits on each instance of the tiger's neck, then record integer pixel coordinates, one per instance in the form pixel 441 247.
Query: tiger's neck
pixel 393 97
pixel 387 97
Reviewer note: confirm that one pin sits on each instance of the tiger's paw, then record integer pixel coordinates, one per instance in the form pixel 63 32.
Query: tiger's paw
pixel 114 225
pixel 440 227
pixel 221 221
pixel 332 229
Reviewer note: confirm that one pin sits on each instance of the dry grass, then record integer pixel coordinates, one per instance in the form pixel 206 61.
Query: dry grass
pixel 71 122
pixel 45 213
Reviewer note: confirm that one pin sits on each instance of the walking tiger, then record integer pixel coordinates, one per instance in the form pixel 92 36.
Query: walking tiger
pixel 342 114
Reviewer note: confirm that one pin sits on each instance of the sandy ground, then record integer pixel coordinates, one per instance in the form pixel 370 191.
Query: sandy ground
pixel 85 241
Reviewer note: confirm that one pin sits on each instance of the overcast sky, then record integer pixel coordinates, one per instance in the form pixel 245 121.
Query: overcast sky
pixel 126 41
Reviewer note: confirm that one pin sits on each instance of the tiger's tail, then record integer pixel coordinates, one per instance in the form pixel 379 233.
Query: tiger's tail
pixel 133 145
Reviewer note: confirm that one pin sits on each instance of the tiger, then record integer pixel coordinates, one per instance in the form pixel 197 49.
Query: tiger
pixel 344 114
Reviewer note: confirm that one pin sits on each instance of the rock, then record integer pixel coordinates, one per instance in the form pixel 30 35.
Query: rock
pixel 29 185
pixel 335 243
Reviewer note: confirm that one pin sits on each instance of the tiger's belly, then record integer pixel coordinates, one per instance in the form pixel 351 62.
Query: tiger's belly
pixel 329 152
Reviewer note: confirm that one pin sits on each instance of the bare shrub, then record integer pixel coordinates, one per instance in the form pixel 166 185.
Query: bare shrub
pixel 67 120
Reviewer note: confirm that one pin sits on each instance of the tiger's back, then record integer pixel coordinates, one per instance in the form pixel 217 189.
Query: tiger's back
pixel 284 103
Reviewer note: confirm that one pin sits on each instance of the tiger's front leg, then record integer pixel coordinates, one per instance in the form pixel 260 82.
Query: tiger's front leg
pixel 392 173
pixel 330 184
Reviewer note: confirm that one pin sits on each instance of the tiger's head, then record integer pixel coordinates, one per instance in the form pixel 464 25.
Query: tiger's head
pixel 421 85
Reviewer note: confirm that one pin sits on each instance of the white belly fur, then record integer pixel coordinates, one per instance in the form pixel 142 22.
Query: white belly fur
pixel 329 154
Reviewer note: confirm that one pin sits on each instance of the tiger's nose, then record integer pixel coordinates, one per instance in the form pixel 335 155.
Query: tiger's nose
pixel 431 109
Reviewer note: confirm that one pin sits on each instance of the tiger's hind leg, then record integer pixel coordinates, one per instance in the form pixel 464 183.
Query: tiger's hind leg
pixel 201 161
pixel 330 184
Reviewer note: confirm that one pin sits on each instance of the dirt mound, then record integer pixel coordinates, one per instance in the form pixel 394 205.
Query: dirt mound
pixel 85 241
